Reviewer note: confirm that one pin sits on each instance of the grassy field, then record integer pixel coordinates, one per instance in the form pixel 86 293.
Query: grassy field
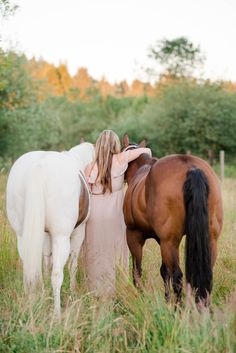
pixel 130 323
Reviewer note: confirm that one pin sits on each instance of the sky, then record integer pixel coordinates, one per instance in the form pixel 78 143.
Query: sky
pixel 111 37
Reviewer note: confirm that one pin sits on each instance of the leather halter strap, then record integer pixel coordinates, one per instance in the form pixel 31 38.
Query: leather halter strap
pixel 130 147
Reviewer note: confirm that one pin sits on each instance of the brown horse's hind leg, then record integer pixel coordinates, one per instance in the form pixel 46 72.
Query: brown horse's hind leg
pixel 166 278
pixel 170 269
pixel 135 242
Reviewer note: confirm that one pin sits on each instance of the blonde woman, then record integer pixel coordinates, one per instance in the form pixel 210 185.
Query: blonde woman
pixel 105 242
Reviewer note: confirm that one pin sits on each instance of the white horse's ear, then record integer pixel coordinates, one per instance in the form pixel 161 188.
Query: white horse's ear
pixel 125 140
pixel 82 140
pixel 143 143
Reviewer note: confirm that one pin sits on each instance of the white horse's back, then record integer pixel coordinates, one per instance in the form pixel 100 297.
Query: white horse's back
pixel 43 192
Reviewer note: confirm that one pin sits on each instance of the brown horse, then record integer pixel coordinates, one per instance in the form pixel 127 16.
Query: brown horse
pixel 167 198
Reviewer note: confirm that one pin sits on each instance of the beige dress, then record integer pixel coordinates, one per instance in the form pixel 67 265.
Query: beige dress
pixel 105 243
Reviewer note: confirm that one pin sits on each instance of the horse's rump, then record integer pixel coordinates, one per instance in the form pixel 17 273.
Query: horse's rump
pixel 166 181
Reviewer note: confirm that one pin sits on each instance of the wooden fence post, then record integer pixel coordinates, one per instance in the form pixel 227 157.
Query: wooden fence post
pixel 222 165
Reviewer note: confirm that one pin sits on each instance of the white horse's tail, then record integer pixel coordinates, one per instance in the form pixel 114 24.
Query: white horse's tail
pixel 33 228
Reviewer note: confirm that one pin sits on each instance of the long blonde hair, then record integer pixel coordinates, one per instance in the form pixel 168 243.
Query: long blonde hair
pixel 107 145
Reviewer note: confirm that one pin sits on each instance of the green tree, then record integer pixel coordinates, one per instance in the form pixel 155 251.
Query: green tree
pixel 194 117
pixel 7 8
pixel 184 116
pixel 16 92
pixel 16 85
pixel 179 57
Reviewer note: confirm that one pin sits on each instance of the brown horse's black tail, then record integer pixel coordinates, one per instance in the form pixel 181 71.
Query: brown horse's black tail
pixel 197 251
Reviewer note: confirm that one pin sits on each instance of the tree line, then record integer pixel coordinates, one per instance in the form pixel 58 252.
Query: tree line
pixel 43 107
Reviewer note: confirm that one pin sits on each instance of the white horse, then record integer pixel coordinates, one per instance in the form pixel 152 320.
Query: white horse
pixel 46 199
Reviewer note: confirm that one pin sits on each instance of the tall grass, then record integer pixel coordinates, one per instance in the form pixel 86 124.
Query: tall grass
pixel 131 322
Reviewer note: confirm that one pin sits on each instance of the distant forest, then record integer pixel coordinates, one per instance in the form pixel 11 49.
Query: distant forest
pixel 43 107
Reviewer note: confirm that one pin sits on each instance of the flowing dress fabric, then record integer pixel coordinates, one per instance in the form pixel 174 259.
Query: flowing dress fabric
pixel 105 241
